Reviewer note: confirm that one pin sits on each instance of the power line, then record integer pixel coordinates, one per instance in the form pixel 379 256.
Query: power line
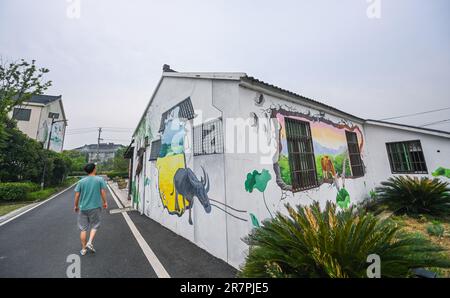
pixel 436 122
pixel 415 114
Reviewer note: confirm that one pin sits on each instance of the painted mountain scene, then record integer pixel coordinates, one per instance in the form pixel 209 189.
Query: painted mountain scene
pixel 330 148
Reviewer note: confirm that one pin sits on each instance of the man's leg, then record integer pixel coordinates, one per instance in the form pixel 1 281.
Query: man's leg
pixel 94 221
pixel 83 239
pixel 92 235
pixel 83 225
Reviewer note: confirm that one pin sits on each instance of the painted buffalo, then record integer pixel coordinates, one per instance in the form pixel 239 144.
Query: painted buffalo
pixel 187 184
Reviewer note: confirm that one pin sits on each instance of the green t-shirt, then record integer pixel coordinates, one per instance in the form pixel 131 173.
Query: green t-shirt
pixel 90 192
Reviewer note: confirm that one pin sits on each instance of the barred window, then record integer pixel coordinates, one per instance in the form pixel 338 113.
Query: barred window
pixel 22 114
pixel 301 155
pixel 154 150
pixel 354 154
pixel 208 138
pixel 406 157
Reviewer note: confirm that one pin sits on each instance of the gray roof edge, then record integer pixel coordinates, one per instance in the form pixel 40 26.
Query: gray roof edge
pixel 405 126
pixel 254 81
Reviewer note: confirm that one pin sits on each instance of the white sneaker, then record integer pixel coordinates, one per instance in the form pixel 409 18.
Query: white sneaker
pixel 90 247
pixel 83 252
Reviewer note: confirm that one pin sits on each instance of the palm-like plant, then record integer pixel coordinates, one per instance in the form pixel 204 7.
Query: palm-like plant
pixel 314 243
pixel 414 196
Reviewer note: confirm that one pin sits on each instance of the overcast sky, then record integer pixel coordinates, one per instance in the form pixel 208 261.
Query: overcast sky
pixel 107 62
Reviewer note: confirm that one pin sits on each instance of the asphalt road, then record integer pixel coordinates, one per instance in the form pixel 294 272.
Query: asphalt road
pixel 38 243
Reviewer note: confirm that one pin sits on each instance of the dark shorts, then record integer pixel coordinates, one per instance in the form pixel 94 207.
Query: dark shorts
pixel 89 219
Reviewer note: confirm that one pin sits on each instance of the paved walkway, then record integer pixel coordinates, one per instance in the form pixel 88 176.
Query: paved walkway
pixel 37 244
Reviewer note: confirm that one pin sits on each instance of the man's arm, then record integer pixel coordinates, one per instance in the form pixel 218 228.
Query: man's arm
pixel 103 192
pixel 77 200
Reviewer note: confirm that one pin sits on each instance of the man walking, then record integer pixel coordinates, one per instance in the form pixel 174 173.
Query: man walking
pixel 90 195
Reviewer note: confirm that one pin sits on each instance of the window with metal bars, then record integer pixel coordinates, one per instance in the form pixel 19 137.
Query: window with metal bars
pixel 208 138
pixel 406 158
pixel 301 155
pixel 354 154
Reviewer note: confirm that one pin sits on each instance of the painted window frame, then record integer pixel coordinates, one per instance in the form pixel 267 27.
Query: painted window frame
pixel 407 158
pixel 199 135
pixel 20 112
pixel 305 160
pixel 152 150
pixel 353 151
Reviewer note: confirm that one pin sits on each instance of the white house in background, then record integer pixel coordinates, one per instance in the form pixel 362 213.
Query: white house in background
pixel 34 118
pixel 214 154
pixel 100 152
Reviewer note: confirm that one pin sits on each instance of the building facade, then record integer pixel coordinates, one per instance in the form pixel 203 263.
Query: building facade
pixel 34 118
pixel 99 153
pixel 215 154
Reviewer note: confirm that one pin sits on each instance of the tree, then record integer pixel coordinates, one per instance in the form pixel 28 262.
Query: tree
pixel 77 160
pixel 120 164
pixel 18 82
pixel 21 157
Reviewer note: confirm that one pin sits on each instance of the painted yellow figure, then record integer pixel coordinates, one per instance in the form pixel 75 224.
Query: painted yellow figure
pixel 167 167
pixel 170 160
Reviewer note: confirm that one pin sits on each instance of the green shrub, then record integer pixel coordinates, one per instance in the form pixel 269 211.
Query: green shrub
pixel 41 194
pixel 436 229
pixel 314 243
pixel 114 174
pixel 414 196
pixel 15 191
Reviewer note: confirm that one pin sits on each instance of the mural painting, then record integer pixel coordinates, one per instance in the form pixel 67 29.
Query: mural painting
pixel 330 150
pixel 441 172
pixel 177 184
pixel 259 181
pixel 56 140
pixel 255 221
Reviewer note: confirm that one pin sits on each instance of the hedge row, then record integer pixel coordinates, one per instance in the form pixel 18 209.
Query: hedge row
pixel 16 191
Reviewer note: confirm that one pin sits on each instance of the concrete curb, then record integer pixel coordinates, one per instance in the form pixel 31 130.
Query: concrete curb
pixel 21 211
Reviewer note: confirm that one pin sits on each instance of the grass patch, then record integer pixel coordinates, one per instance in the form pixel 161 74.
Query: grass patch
pixel 437 231
pixel 5 208
pixel 35 196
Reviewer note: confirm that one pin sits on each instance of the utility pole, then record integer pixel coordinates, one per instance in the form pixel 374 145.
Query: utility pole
pixel 98 143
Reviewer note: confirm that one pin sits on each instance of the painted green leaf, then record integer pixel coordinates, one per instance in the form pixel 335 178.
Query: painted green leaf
pixel 343 198
pixel 441 171
pixel 255 221
pixel 257 180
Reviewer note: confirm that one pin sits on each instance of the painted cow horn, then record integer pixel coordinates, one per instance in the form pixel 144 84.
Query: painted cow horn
pixel 205 179
pixel 207 183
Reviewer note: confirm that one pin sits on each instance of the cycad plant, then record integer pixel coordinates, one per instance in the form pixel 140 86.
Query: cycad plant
pixel 415 196
pixel 315 243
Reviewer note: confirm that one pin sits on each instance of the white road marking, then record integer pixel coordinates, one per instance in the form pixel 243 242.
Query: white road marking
pixel 39 204
pixel 148 252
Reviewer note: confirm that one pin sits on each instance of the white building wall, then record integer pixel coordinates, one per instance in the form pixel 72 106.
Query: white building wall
pixel 208 229
pixel 436 150
pixel 239 165
pixel 30 128
pixel 236 210
pixel 59 128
